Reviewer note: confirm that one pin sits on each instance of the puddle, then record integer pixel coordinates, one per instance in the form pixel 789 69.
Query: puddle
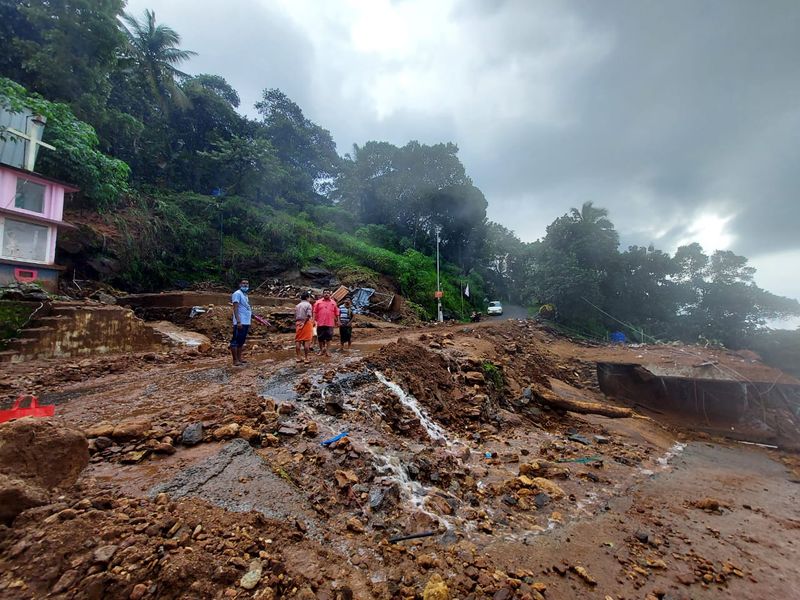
pixel 280 386
pixel 239 480
pixel 663 462
pixel 217 375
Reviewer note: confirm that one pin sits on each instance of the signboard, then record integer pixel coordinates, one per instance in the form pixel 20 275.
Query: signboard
pixel 438 294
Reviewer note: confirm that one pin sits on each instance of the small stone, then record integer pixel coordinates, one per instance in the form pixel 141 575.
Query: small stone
pixel 642 536
pixel 436 589
pixel 288 430
pixel 286 408
pixel 250 579
pixel 525 481
pixel 354 525
pixel 192 434
pixel 584 574
pixel 248 433
pixel 104 554
pixel 101 429
pixel 345 478
pixel 474 377
pixel 270 440
pixel 311 429
pixel 131 429
pixel 102 443
pixel 163 448
pixel 549 487
pixel 134 457
pixel 138 591
pixel 541 500
pixel 66 582
pixel 230 430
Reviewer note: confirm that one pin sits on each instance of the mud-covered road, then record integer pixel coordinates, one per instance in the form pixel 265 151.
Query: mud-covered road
pixel 443 438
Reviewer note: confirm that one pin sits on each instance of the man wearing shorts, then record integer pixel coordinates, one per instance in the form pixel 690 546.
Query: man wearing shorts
pixel 346 324
pixel 303 325
pixel 241 321
pixel 326 314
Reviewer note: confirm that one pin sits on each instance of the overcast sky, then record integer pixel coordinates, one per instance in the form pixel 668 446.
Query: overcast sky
pixel 680 117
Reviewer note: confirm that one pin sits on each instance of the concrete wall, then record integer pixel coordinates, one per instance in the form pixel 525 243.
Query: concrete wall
pixel 79 330
pixel 47 277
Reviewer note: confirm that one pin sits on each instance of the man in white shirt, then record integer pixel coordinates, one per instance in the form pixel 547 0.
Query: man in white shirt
pixel 241 321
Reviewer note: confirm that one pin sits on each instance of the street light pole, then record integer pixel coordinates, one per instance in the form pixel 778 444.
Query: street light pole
pixel 217 193
pixel 438 281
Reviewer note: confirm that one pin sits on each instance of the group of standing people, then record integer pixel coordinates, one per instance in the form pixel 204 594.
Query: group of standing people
pixel 320 318
pixel 313 319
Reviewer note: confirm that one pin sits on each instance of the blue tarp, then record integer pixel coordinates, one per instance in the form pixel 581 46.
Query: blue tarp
pixel 360 299
pixel 618 337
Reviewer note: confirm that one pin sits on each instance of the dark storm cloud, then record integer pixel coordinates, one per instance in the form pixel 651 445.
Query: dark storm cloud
pixel 696 104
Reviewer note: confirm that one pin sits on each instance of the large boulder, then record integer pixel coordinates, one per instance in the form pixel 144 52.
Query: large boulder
pixel 37 455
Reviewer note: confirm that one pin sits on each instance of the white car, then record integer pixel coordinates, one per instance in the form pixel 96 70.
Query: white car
pixel 495 308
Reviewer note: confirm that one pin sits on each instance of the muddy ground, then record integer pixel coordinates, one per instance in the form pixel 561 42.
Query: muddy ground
pixel 444 438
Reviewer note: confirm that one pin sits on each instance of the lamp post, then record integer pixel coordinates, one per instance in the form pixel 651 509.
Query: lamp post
pixel 218 193
pixel 440 318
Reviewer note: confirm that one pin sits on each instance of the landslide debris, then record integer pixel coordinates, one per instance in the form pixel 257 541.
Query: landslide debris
pixel 37 456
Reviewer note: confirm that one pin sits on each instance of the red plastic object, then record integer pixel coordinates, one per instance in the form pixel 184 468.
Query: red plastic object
pixel 261 320
pixel 34 410
pixel 25 275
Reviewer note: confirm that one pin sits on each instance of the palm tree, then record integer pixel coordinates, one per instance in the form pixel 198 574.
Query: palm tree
pixel 154 50
pixel 591 215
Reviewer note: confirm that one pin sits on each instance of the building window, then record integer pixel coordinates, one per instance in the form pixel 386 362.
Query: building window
pixel 30 195
pixel 24 241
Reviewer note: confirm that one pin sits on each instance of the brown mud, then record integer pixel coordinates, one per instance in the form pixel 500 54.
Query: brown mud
pixel 444 437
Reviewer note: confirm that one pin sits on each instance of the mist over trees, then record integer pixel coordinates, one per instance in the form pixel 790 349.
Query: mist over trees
pixel 149 143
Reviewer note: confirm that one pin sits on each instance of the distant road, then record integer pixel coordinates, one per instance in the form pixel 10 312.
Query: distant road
pixel 510 311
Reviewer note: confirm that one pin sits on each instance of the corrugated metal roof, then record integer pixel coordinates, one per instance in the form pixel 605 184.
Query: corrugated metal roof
pixel 12 148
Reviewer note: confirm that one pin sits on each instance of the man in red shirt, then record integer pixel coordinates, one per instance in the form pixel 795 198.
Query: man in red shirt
pixel 326 315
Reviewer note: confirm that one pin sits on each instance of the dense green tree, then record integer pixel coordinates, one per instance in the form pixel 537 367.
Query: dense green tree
pixel 504 260
pixel 208 121
pixel 62 49
pixel 307 150
pixel 644 291
pixel 247 167
pixel 215 84
pixel 397 186
pixel 720 301
pixel 459 213
pixel 575 265
pixel 76 157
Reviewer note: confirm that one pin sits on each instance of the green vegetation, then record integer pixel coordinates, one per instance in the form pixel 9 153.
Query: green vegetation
pixel 13 315
pixel 197 192
pixel 493 374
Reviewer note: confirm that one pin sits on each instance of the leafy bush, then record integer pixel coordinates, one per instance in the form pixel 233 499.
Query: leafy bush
pixel 493 374
pixel 76 159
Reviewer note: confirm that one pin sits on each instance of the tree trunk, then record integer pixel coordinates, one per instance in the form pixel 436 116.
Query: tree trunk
pixel 550 398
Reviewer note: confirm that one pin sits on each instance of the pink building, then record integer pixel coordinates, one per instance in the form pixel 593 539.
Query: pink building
pixel 31 210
